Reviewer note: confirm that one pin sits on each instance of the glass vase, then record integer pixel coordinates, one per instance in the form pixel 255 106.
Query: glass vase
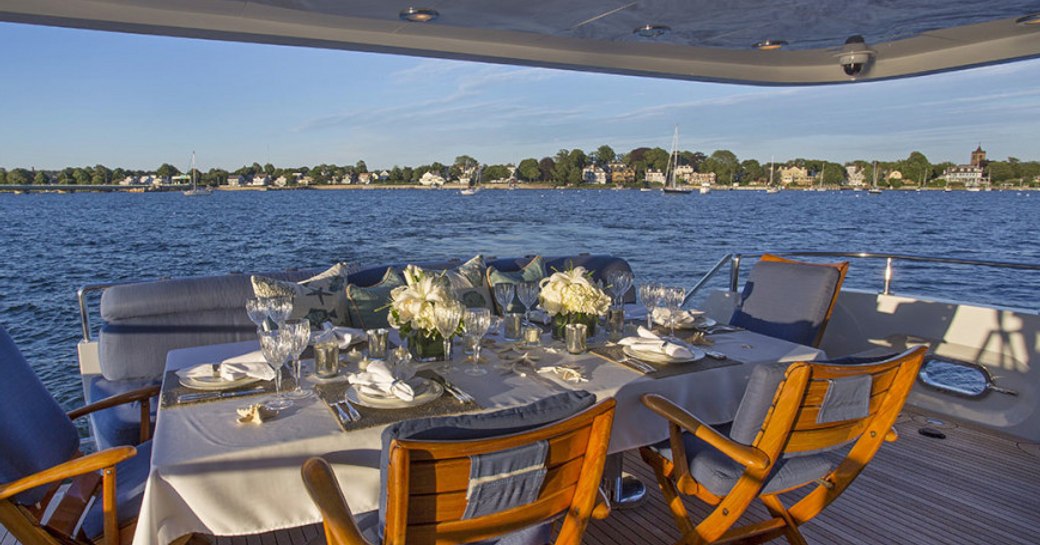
pixel 425 346
pixel 560 321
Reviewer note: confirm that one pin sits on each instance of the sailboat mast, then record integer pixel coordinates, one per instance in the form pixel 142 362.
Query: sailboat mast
pixel 673 160
pixel 193 170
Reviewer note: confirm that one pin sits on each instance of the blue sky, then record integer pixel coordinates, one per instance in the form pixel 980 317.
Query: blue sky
pixel 74 97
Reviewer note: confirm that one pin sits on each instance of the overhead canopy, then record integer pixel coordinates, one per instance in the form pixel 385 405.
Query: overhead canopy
pixel 705 39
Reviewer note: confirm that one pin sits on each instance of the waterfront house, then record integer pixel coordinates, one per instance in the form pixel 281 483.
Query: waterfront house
pixel 593 174
pixel 366 178
pixel 794 175
pixel 260 180
pixel 699 178
pixel 972 175
pixel 855 176
pixel 236 180
pixel 655 176
pixel 620 173
pixel 431 179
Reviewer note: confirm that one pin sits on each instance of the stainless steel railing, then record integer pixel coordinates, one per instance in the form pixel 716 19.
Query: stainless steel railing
pixel 735 259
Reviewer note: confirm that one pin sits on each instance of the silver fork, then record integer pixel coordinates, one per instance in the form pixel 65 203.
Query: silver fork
pixel 351 411
pixel 644 367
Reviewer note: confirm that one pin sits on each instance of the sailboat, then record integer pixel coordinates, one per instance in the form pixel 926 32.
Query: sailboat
pixel 670 185
pixel 873 187
pixel 770 189
pixel 195 190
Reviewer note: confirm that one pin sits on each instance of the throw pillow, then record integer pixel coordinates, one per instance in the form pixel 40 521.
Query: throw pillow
pixel 367 306
pixel 319 298
pixel 534 271
pixel 467 280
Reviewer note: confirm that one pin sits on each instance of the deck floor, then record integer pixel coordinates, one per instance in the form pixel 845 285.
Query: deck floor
pixel 972 487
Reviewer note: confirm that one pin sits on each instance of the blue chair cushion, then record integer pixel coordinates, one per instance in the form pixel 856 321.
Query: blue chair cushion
pixel 787 300
pixel 35 433
pixel 718 474
pixel 130 480
pixel 120 425
pixel 481 426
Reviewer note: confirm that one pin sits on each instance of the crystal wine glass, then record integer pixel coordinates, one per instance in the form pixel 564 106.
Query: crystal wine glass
pixel 649 294
pixel 527 292
pixel 620 282
pixel 280 308
pixel 275 346
pixel 257 310
pixel 446 318
pixel 674 301
pixel 299 332
pixel 476 321
pixel 504 292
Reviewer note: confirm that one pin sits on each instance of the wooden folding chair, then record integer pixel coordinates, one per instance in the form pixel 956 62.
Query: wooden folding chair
pixel 430 496
pixel 784 437
pixel 41 450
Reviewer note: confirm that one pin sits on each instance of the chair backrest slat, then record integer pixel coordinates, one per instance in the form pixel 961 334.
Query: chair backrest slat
pixel 436 476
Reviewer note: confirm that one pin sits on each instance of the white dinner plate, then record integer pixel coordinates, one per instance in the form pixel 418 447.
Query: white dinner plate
pixel 658 357
pixel 425 392
pixel 215 382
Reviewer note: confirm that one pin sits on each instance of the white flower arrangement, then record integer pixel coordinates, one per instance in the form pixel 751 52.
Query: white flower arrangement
pixel 411 305
pixel 572 292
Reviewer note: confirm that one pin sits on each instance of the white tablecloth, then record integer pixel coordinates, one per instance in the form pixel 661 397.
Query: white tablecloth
pixel 212 475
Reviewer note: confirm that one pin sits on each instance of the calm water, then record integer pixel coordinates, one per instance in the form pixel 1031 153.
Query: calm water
pixel 53 244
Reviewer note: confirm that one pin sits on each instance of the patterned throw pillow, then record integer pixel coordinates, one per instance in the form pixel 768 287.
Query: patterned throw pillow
pixel 319 298
pixel 468 282
pixel 367 306
pixel 532 272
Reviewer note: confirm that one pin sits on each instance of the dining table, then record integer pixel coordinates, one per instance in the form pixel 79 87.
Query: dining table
pixel 211 474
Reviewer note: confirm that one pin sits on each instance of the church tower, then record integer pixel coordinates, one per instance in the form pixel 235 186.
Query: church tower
pixel 978 157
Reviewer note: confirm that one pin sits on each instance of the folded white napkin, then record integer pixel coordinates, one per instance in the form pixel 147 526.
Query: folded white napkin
pixel 378 380
pixel 345 336
pixel 648 341
pixel 684 319
pixel 247 365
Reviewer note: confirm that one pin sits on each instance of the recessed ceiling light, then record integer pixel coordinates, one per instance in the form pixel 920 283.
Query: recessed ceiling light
pixel 1029 20
pixel 419 15
pixel 769 45
pixel 652 31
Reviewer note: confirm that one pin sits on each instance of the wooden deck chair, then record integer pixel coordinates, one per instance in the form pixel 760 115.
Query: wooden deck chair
pixel 492 488
pixel 791 425
pixel 39 448
pixel 790 300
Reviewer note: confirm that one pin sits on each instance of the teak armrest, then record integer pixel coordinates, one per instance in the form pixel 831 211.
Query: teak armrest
pixel 141 394
pixel 601 510
pixel 76 466
pixel 339 523
pixel 744 455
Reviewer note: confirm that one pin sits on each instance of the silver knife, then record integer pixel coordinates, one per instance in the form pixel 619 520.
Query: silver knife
pixel 202 396
pixel 342 418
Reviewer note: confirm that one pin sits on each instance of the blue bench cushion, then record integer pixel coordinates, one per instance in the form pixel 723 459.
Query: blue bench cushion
pixel 786 300
pixel 533 271
pixel 35 434
pixel 119 425
pixel 468 281
pixel 368 305
pixel 131 476
pixel 320 298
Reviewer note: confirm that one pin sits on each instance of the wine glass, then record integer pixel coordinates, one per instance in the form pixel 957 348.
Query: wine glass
pixel 299 332
pixel 256 308
pixel 620 282
pixel 504 292
pixel 649 293
pixel 476 321
pixel 527 292
pixel 275 346
pixel 446 318
pixel 673 302
pixel 280 308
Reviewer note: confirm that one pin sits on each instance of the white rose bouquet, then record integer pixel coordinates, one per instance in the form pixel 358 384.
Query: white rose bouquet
pixel 412 308
pixel 571 297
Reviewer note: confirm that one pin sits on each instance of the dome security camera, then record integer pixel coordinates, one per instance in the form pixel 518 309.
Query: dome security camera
pixel 855 57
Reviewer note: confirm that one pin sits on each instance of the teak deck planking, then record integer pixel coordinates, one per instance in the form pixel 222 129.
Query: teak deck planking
pixel 973 487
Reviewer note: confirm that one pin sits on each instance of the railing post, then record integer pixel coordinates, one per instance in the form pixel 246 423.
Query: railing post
pixel 734 272
pixel 888 276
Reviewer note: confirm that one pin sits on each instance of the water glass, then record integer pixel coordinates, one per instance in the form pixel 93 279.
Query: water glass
pixel 275 346
pixel 446 318
pixel 527 292
pixel 620 282
pixel 476 321
pixel 326 359
pixel 279 309
pixel 513 321
pixel 299 335
pixel 377 339
pixel 650 294
pixel 575 336
pixel 256 308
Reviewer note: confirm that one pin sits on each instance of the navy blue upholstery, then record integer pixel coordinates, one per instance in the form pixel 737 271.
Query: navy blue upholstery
pixel 35 433
pixel 482 426
pixel 787 301
pixel 119 425
pixel 599 265
pixel 131 476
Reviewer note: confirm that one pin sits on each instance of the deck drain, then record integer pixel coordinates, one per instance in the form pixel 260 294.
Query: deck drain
pixel 1030 448
pixel 933 422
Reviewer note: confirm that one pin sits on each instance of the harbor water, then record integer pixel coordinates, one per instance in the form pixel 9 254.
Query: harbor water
pixel 52 244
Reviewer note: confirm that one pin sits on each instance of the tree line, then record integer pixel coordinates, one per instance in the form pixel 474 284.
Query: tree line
pixel 564 168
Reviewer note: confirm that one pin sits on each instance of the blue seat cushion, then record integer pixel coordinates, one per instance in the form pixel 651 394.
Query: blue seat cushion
pixel 718 473
pixel 787 300
pixel 130 480
pixel 35 433
pixel 481 426
pixel 120 425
